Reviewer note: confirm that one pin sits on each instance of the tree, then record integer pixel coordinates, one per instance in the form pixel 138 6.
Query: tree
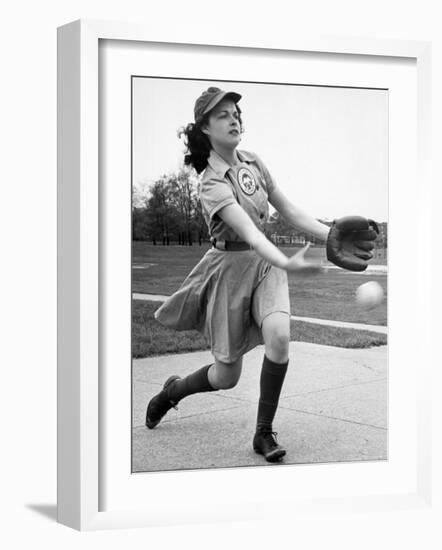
pixel 160 211
pixel 140 227
pixel 200 223
pixel 183 187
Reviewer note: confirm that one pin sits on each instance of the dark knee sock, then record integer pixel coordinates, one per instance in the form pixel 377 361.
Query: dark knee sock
pixel 196 382
pixel 272 378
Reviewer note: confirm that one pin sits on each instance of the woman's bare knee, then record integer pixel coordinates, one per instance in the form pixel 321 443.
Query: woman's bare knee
pixel 224 376
pixel 277 348
pixel 276 333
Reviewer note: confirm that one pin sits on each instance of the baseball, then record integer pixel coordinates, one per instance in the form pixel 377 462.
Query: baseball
pixel 369 295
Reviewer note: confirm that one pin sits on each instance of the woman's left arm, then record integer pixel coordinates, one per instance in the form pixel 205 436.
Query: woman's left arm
pixel 297 217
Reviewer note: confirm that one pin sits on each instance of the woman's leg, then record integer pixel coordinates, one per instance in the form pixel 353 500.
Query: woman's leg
pixel 215 376
pixel 276 334
pixel 223 376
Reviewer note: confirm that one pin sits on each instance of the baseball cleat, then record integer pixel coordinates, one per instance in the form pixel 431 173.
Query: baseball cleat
pixel 160 404
pixel 264 443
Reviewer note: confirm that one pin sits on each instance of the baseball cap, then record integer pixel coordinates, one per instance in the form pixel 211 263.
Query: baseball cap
pixel 209 99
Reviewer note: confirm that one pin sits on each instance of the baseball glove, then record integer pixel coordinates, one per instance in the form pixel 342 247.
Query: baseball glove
pixel 350 242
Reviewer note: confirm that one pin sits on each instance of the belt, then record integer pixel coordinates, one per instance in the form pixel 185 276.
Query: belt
pixel 231 246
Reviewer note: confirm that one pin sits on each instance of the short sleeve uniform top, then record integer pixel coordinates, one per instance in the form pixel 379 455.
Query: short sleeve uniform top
pixel 248 183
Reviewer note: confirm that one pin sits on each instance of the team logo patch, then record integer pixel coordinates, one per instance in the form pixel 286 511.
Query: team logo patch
pixel 246 181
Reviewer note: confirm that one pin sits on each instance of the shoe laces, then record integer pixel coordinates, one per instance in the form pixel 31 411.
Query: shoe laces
pixel 172 403
pixel 165 404
pixel 166 391
pixel 270 434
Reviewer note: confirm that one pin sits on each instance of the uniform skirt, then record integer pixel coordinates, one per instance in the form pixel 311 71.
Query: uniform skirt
pixel 226 297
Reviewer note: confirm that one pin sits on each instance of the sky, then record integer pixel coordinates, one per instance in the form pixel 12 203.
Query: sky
pixel 326 147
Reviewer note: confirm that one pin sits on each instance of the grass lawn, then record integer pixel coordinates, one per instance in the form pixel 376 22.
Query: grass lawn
pixel 161 270
pixel 149 338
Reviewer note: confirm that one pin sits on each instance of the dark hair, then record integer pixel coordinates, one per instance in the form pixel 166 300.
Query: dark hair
pixel 198 144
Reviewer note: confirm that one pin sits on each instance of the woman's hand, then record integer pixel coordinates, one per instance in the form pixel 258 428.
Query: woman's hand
pixel 300 267
pixel 241 223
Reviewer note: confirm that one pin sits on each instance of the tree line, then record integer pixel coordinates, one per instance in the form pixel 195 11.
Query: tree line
pixel 170 211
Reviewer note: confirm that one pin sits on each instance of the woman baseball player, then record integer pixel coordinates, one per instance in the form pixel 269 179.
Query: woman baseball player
pixel 237 295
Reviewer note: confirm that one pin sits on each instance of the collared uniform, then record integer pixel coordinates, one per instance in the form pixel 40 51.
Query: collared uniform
pixel 228 294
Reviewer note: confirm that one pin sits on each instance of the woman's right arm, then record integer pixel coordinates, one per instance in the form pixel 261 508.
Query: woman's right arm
pixel 234 216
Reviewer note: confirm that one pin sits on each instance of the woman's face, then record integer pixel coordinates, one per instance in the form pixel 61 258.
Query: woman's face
pixel 224 127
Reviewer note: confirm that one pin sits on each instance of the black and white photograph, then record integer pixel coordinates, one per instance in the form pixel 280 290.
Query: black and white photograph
pixel 259 274
pixel 221 317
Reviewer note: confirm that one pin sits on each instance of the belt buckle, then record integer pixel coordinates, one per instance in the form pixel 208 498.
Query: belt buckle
pixel 219 245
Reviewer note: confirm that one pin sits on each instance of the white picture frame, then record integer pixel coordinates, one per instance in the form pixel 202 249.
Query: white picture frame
pixel 80 293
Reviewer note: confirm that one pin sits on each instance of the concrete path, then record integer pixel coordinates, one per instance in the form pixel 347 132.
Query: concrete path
pixel 357 326
pixel 150 297
pixel 333 408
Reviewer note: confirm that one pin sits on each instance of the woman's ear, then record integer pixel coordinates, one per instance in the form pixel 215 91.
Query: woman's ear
pixel 205 127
